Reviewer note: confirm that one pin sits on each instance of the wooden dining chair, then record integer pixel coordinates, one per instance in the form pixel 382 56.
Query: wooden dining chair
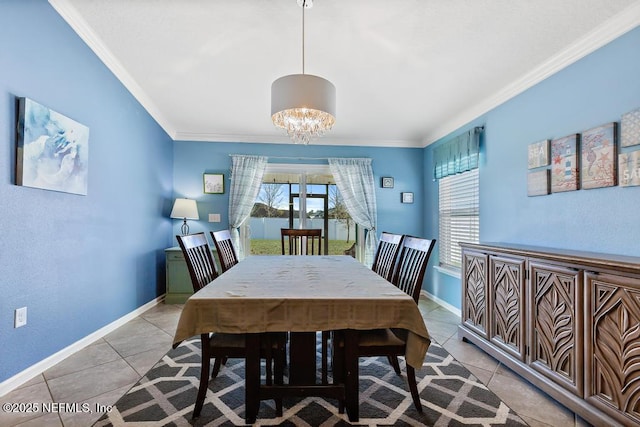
pixel 301 241
pixel 386 256
pixel 224 246
pixel 221 346
pixel 408 276
pixel 307 242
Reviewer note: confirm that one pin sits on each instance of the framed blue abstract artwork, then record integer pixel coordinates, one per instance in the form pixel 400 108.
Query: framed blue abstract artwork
pixel 52 150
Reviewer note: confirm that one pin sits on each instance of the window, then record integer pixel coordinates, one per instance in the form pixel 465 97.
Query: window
pixel 459 215
pixel 299 196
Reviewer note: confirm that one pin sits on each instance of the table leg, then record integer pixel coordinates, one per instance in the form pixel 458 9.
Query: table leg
pixel 352 379
pixel 302 358
pixel 252 378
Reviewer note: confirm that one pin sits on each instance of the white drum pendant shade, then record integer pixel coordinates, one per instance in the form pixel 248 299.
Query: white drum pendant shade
pixel 303 91
pixel 304 105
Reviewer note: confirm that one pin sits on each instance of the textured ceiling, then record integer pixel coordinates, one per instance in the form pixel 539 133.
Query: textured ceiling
pixel 406 71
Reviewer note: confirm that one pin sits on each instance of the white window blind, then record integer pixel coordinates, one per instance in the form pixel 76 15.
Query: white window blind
pixel 459 215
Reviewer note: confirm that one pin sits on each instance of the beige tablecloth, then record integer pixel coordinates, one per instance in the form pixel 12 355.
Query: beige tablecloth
pixel 303 294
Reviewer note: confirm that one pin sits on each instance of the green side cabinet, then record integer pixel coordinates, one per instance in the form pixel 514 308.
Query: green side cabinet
pixel 179 286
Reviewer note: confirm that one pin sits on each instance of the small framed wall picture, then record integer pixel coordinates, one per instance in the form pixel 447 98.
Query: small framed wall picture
pixel 630 124
pixel 386 182
pixel 538 154
pixel 213 183
pixel 538 183
pixel 407 197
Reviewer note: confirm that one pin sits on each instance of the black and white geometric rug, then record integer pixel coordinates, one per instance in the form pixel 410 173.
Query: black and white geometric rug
pixel 451 396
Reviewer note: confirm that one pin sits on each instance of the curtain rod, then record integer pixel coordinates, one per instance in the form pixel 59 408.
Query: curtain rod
pixel 301 158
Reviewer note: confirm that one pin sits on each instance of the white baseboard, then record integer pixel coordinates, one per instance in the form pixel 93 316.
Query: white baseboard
pixel 442 303
pixel 37 369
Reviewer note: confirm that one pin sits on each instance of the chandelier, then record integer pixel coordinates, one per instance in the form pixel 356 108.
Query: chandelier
pixel 302 104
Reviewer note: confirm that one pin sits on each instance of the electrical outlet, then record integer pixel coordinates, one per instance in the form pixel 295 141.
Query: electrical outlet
pixel 214 217
pixel 20 318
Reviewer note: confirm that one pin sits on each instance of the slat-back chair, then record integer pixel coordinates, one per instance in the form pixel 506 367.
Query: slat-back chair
pixel 220 346
pixel 408 276
pixel 199 258
pixel 412 265
pixel 386 255
pixel 224 247
pixel 307 242
pixel 301 241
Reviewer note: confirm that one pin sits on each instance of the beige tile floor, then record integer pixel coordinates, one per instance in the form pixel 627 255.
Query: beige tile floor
pixel 102 372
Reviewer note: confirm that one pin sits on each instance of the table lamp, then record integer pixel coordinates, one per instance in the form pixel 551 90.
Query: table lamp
pixel 185 209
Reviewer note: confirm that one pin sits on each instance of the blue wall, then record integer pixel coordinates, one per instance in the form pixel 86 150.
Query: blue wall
pixel 76 262
pixel 192 159
pixel 595 90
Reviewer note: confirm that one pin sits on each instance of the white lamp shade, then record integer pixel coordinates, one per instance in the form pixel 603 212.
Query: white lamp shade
pixel 303 91
pixel 185 209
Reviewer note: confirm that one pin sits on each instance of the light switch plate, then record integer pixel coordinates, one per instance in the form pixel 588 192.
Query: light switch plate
pixel 214 217
pixel 20 318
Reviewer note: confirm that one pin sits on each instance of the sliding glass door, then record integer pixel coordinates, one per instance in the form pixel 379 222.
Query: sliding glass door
pixel 299 196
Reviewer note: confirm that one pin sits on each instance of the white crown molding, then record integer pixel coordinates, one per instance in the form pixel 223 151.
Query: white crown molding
pixel 69 13
pixel 613 28
pixel 283 139
pixel 601 35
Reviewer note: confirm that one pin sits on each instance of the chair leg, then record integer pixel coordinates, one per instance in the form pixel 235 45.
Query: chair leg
pixel 268 358
pixel 279 362
pixel 413 387
pixel 339 376
pixel 325 356
pixel 216 367
pixel 393 360
pixel 204 375
pixel 273 363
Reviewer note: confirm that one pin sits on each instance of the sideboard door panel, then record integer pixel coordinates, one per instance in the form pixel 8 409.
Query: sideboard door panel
pixel 474 294
pixel 613 345
pixel 555 321
pixel 506 296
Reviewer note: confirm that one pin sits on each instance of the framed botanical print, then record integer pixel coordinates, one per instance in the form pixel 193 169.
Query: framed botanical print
pixel 214 183
pixel 564 169
pixel 598 159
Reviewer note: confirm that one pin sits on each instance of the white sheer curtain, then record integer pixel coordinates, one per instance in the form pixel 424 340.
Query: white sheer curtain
pixel 354 178
pixel 246 178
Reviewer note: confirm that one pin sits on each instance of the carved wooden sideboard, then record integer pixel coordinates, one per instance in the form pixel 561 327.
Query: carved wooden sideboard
pixel 567 321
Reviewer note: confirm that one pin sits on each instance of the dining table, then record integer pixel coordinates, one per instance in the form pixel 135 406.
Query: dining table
pixel 302 295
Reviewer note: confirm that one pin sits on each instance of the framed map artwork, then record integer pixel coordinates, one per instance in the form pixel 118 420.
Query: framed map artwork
pixel 564 160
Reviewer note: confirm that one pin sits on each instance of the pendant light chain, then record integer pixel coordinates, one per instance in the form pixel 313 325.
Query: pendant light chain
pixel 304 5
pixel 303 105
